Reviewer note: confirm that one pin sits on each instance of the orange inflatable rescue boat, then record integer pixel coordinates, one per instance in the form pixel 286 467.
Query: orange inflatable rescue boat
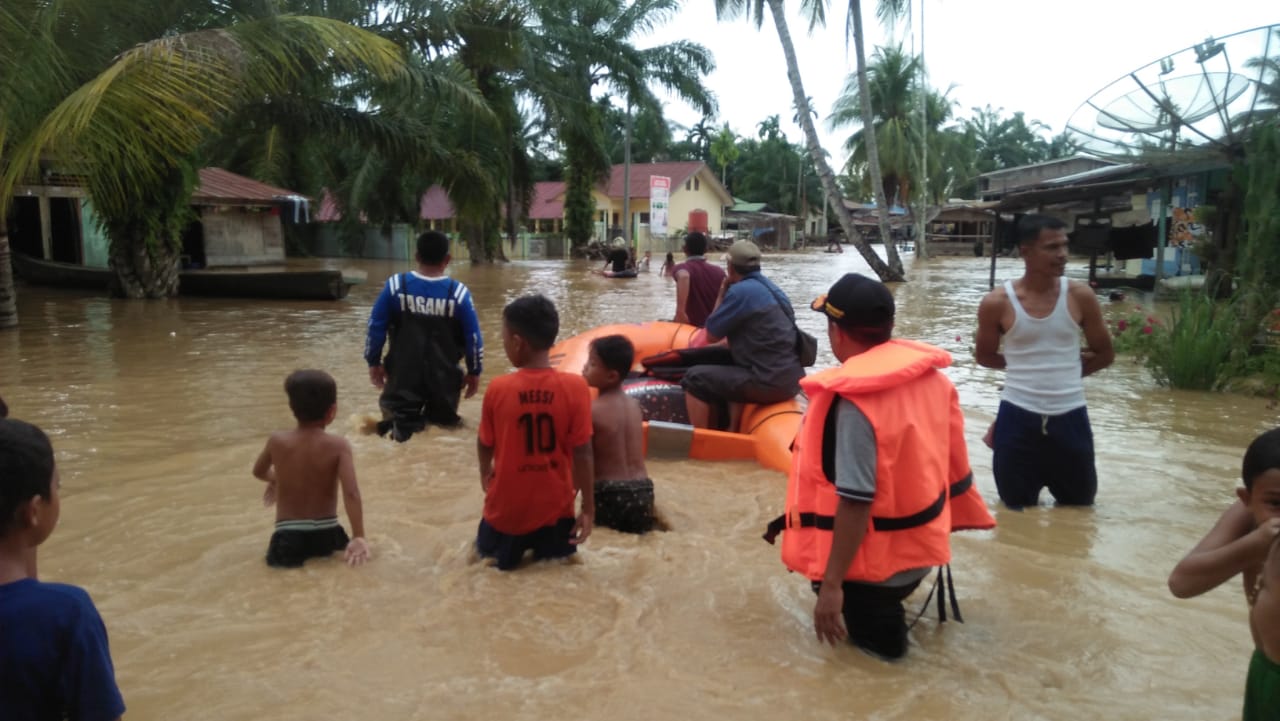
pixel 767 430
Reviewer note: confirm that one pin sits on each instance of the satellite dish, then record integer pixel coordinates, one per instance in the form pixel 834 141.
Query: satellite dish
pixel 1198 99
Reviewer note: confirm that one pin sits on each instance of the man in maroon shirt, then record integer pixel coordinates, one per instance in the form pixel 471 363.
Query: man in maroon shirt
pixel 697 282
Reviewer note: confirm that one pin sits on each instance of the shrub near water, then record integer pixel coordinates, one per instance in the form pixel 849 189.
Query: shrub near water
pixel 1195 352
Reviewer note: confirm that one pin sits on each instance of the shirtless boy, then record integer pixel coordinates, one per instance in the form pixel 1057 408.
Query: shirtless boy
pixel 624 493
pixel 303 468
pixel 1243 542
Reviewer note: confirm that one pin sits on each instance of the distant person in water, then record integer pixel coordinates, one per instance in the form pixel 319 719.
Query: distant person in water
pixel 1042 435
pixel 1244 542
pixel 55 661
pixel 617 259
pixel 432 325
pixel 698 283
pixel 303 469
pixel 668 266
pixel 534 446
pixel 623 491
pixel 643 266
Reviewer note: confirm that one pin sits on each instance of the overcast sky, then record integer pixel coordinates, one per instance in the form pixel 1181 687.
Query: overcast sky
pixel 1044 58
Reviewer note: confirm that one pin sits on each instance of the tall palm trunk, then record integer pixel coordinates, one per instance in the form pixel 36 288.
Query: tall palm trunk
pixel 143 271
pixel 8 297
pixel 885 272
pixel 873 151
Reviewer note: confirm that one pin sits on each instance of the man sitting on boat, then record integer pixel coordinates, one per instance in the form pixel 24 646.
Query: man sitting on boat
pixel 432 325
pixel 757 318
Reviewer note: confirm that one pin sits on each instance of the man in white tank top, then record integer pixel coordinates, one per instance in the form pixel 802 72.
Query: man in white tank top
pixel 1042 436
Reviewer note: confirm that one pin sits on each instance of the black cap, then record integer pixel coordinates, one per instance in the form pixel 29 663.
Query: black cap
pixel 856 301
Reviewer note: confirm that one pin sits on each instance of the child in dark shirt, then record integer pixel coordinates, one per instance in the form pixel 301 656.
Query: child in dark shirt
pixel 54 658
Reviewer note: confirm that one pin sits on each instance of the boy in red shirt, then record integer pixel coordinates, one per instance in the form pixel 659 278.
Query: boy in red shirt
pixel 534 446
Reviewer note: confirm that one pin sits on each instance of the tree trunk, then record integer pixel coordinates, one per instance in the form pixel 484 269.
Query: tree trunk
pixel 145 272
pixel 473 233
pixel 8 295
pixel 921 242
pixel 828 178
pixel 873 150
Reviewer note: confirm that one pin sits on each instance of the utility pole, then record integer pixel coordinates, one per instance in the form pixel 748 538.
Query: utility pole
pixel 626 179
pixel 922 226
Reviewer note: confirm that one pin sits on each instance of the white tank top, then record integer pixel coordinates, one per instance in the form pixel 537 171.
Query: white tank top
pixel 1042 358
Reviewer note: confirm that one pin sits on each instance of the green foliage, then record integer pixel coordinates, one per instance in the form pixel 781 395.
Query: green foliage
pixel 579 204
pixel 1258 253
pixel 1195 351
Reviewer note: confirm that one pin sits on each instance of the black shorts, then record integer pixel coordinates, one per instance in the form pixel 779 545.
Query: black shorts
pixel 1035 451
pixel 290 547
pixel 508 550
pixel 625 506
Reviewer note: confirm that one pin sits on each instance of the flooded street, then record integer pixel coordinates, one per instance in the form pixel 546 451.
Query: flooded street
pixel 158 409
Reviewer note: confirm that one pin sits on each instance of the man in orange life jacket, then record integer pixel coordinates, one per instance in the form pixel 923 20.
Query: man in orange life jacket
pixel 880 473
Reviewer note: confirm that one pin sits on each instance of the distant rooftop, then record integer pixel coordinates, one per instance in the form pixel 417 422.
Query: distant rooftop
pixel 1046 164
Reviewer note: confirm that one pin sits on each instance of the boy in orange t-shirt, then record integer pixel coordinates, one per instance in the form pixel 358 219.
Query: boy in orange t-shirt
pixel 534 446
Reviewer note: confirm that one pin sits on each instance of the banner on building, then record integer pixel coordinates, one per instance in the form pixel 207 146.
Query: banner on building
pixel 659 196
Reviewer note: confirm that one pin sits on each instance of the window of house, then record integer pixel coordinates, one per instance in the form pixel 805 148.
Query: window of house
pixel 696 183
pixel 644 218
pixel 688 185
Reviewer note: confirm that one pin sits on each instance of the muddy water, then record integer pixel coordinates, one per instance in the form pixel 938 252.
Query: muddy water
pixel 158 409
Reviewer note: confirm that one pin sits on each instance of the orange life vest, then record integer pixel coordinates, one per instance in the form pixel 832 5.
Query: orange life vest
pixel 924 486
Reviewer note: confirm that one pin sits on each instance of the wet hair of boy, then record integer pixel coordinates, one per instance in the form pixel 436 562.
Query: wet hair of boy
pixel 1261 456
pixel 311 394
pixel 26 468
pixel 615 352
pixel 534 318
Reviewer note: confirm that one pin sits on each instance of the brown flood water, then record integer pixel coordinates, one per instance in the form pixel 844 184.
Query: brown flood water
pixel 158 409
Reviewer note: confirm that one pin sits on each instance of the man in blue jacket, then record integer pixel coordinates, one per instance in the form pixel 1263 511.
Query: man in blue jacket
pixel 432 325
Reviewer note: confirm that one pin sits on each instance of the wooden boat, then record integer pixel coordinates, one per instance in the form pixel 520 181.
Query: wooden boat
pixel 63 275
pixel 277 283
pixel 767 430
pixel 273 282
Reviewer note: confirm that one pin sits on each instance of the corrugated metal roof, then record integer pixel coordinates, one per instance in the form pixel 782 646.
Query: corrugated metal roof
pixel 223 187
pixel 640 172
pixel 548 201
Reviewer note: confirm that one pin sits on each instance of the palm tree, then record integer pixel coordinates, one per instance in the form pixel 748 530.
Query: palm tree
pixel 895 81
pixel 892 78
pixel 577 45
pixel 725 150
pixel 126 94
pixel 886 9
pixel 754 9
pixel 701 135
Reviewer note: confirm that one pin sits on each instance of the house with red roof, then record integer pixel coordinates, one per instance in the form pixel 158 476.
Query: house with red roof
pixel 694 190
pixel 238 221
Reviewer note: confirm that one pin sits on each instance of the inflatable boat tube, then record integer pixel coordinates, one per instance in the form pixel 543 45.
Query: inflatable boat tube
pixel 767 430
pixel 628 273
